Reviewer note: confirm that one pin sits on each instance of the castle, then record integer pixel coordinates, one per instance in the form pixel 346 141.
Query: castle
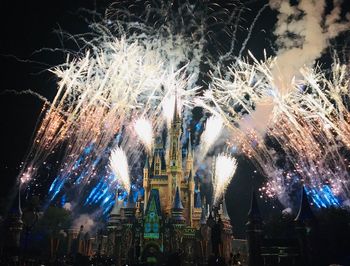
pixel 169 221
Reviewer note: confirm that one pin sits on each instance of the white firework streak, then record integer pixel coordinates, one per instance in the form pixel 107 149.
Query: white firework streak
pixel 213 128
pixel 225 168
pixel 118 162
pixel 144 131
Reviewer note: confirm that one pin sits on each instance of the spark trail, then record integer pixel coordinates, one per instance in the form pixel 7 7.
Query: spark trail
pixel 144 131
pixel 118 162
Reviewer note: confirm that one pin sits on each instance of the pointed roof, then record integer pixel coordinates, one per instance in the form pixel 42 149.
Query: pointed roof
pixel 177 201
pixel 175 114
pixel 203 216
pixel 196 187
pixel 254 212
pixel 154 197
pixel 16 205
pixel 117 206
pixel 224 209
pixel 146 162
pixel 130 203
pixel 190 176
pixel 189 144
pixel 158 152
pixel 305 213
pixel 198 201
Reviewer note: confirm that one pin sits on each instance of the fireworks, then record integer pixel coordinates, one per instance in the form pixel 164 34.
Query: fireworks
pixel 305 123
pixel 127 71
pixel 144 131
pixel 211 133
pixel 225 168
pixel 118 162
pixel 124 81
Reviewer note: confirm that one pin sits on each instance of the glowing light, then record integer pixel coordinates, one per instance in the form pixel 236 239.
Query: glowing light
pixel 210 135
pixel 118 163
pixel 144 131
pixel 225 168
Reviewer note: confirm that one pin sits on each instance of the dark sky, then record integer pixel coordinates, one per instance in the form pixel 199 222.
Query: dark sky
pixel 26 27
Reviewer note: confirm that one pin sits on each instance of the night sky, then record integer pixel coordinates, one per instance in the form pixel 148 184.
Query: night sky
pixel 27 27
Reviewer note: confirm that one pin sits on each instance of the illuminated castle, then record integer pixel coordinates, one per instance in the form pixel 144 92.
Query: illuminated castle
pixel 169 221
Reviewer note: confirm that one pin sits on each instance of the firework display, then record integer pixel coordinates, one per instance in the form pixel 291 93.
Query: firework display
pixel 121 89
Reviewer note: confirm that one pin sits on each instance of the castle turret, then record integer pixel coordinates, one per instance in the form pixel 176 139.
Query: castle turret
pixel 224 212
pixel 177 209
pixel 226 231
pixel 197 210
pixel 114 216
pixel 204 212
pixel 254 233
pixel 305 227
pixel 130 208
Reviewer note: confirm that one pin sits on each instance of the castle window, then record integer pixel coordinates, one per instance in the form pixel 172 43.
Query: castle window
pixel 156 170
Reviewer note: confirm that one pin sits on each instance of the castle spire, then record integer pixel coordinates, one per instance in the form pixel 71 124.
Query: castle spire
pixel 177 209
pixel 130 203
pixel 116 208
pixel 177 205
pixel 176 116
pixel 198 202
pixel 254 233
pixel 130 208
pixel 203 216
pixel 305 213
pixel 224 209
pixel 254 212
pixel 189 157
pixel 190 176
pixel 146 163
pixel 189 146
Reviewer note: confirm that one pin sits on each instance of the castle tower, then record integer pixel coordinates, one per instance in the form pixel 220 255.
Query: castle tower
pixel 177 209
pixel 254 233
pixel 114 216
pixel 226 231
pixel 146 181
pixel 197 210
pixel 113 226
pixel 190 196
pixel 130 208
pixel 175 173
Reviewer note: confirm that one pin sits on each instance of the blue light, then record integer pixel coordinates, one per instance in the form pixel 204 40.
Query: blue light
pixel 63 200
pixel 323 197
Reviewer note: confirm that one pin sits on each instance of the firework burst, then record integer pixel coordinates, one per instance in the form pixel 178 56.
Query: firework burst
pixel 224 170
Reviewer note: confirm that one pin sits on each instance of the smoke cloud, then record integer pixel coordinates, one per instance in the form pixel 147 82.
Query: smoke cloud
pixel 84 220
pixel 303 33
